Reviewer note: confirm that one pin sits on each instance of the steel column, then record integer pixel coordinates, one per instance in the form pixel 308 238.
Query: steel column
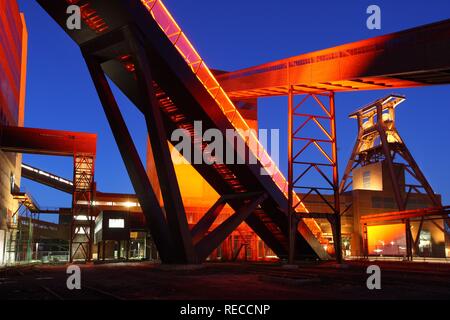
pixel 419 176
pixel 82 225
pixel 337 237
pixel 291 217
pixel 173 204
pixel 136 171
pixel 343 186
pixel 327 147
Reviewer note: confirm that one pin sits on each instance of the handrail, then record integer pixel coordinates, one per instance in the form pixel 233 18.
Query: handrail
pixel 174 33
pixel 46 174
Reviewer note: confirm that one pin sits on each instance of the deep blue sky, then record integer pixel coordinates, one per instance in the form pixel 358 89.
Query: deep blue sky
pixel 232 35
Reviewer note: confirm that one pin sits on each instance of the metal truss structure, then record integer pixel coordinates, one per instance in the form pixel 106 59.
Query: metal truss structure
pixel 378 140
pixel 139 46
pixel 80 146
pixel 13 222
pixel 169 228
pixel 83 219
pixel 320 113
pixel 28 209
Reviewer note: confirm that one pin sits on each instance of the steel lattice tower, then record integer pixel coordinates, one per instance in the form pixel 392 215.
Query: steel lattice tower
pixel 378 140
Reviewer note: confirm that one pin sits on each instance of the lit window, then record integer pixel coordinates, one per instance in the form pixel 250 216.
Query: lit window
pixel 366 179
pixel 116 223
pixel 12 180
pixel 98 226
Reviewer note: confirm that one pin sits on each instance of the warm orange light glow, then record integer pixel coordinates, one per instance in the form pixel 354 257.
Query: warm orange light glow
pixel 168 24
pixel 92 19
pixel 127 62
pixel 387 240
pixel 23 72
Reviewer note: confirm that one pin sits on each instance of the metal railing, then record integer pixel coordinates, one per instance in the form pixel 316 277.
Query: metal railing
pixel 200 69
pixel 174 33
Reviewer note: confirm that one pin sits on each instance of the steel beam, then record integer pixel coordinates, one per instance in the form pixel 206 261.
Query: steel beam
pixel 82 230
pixel 189 100
pixel 46 178
pixel 136 171
pixel 336 224
pixel 205 222
pixel 407 214
pixel 292 224
pixel 45 141
pixel 351 162
pixel 173 203
pixel 419 175
pixel 203 225
pixel 219 234
pixel 80 146
pixel 409 58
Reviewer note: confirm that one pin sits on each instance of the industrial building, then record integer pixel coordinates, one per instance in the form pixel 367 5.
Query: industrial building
pixel 374 177
pixel 187 213
pixel 13 45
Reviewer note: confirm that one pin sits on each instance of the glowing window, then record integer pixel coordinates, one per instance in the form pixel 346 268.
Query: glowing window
pixel 12 180
pixel 116 223
pixel 386 240
pixel 366 179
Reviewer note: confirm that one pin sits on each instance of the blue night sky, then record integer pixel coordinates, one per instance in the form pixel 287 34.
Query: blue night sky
pixel 231 35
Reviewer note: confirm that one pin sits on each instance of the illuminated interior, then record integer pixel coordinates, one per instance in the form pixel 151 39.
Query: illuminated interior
pixel 387 240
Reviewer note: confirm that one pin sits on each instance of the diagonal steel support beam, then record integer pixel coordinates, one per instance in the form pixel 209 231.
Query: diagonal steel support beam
pixel 350 164
pixel 395 184
pixel 219 234
pixel 136 171
pixel 203 225
pixel 418 175
pixel 173 203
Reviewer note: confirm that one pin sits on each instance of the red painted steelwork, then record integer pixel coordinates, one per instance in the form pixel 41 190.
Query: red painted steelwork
pixel 409 58
pixel 44 141
pixel 406 214
pixel 80 146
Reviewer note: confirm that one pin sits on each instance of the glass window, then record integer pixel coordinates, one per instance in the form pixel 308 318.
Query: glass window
pixel 366 179
pixel 12 182
pixel 116 223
